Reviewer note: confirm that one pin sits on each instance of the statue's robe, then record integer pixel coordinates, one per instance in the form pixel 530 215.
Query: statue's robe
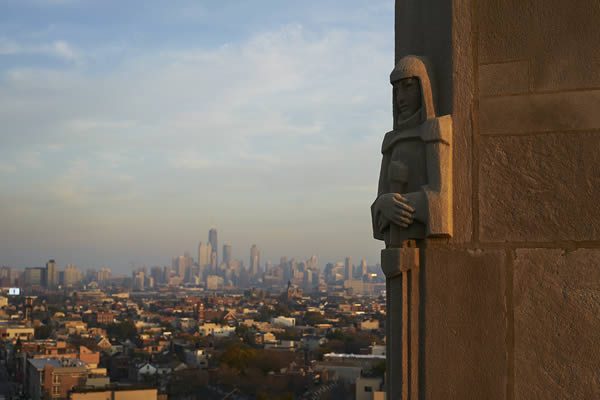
pixel 415 164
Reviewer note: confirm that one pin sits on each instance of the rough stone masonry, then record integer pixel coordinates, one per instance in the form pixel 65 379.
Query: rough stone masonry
pixel 505 304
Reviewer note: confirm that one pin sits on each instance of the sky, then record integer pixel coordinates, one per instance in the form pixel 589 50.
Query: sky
pixel 129 128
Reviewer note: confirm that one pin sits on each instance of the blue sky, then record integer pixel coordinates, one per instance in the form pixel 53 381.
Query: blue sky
pixel 129 128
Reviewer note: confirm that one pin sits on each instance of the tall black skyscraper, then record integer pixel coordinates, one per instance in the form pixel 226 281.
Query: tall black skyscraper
pixel 212 239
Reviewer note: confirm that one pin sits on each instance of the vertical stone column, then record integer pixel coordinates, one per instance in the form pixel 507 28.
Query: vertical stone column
pixel 401 269
pixel 509 304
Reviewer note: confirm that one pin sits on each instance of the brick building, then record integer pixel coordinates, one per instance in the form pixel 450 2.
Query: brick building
pixel 53 379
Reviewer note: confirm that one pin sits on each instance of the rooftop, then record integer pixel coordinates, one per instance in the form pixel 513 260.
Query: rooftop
pixel 354 356
pixel 40 363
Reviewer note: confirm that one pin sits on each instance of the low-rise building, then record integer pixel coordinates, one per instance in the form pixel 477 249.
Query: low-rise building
pixel 16 332
pixel 369 388
pixel 196 358
pixel 286 322
pixel 114 393
pixel 216 330
pixel 369 325
pixel 54 378
pixel 347 367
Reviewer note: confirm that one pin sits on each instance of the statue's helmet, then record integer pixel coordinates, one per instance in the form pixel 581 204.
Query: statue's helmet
pixel 417 67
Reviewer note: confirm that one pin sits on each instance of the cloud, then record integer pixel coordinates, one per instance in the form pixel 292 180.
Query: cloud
pixel 50 3
pixel 57 49
pixel 62 49
pixel 281 129
pixel 84 184
pixel 7 168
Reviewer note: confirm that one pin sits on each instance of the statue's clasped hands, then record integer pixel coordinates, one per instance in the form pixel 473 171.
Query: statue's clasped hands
pixel 394 208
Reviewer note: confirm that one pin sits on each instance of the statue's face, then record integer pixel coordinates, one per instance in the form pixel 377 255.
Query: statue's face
pixel 408 97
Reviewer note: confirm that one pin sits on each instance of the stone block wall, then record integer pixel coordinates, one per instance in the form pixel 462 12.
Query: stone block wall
pixel 511 305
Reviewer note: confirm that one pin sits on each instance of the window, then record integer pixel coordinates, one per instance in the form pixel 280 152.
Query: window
pixel 56 379
pixel 368 389
pixel 56 390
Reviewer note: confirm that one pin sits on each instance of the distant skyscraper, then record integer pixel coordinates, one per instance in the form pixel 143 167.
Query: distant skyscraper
pixel 104 275
pixel 312 262
pixel 363 267
pixel 227 253
pixel 183 265
pixel 329 272
pixel 34 276
pixel 213 261
pixel 71 276
pixel 5 277
pixel 138 280
pixel 212 239
pixel 204 254
pixel 51 274
pixel 348 269
pixel 268 266
pixel 157 275
pixel 254 260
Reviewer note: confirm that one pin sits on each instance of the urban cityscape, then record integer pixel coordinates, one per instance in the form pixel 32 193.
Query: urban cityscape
pixel 185 199
pixel 313 200
pixel 205 327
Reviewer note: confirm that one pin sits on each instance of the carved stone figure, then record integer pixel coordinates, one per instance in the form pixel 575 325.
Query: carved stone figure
pixel 414 202
pixel 414 199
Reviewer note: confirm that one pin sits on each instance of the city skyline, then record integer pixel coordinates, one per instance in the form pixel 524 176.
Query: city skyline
pixel 189 115
pixel 246 261
pixel 202 273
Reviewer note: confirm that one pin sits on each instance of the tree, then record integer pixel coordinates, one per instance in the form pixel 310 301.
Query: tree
pixel 43 332
pixel 379 369
pixel 122 330
pixel 238 356
pixel 313 318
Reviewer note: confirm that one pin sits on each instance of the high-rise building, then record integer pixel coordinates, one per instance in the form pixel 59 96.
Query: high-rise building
pixel 254 260
pixel 214 282
pixel 157 275
pixel 312 262
pixel 5 276
pixel 34 276
pixel 213 261
pixel 204 252
pixel 51 274
pixel 138 280
pixel 268 266
pixel 227 253
pixel 104 275
pixel 348 269
pixel 363 267
pixel 329 272
pixel 71 276
pixel 212 239
pixel 183 264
